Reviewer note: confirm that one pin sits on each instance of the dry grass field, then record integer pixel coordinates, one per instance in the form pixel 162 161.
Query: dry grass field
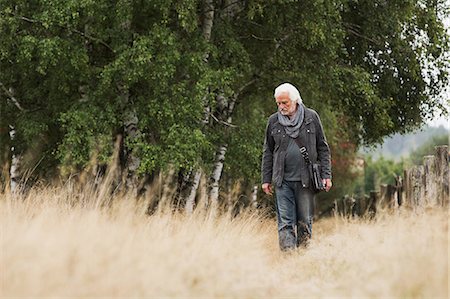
pixel 53 246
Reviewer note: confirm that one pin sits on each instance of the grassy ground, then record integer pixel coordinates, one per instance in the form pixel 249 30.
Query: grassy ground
pixel 51 247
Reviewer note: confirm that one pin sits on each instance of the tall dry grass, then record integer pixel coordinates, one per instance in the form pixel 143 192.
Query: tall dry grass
pixel 57 243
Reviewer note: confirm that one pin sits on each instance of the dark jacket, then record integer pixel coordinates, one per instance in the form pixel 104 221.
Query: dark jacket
pixel 276 143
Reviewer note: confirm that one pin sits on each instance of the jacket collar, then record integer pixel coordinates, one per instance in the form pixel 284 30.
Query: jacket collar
pixel 307 119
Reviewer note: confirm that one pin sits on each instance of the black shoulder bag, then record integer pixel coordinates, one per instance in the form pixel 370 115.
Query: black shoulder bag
pixel 314 169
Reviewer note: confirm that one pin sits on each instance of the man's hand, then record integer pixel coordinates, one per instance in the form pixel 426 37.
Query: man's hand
pixel 267 188
pixel 327 183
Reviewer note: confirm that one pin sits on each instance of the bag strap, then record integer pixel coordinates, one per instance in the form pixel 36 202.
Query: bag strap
pixel 303 151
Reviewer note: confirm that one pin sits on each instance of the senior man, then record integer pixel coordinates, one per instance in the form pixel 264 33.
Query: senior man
pixel 284 165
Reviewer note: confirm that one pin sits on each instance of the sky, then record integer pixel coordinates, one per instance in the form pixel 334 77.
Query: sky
pixel 444 121
pixel 439 121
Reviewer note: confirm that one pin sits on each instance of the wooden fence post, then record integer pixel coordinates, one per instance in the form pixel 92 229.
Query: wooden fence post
pixel 335 208
pixel 400 190
pixel 349 205
pixel 373 203
pixel 354 207
pixel 442 174
pixel 391 196
pixel 407 186
pixel 360 205
pixel 344 205
pixel 382 200
pixel 421 185
pixel 417 186
pixel 430 185
pixel 365 204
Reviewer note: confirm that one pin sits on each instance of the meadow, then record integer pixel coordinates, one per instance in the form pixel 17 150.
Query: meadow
pixel 55 243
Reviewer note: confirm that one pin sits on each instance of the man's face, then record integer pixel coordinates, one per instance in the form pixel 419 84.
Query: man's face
pixel 285 105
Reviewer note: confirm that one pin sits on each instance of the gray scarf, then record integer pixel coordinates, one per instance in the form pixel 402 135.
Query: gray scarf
pixel 292 126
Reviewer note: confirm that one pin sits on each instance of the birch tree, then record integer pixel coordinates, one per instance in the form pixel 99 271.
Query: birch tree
pixel 189 83
pixel 207 25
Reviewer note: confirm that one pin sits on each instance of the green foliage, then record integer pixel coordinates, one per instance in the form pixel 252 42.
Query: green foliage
pixel 416 157
pixel 87 132
pixel 378 172
pixel 402 47
pixel 244 155
pixel 69 63
pixel 79 68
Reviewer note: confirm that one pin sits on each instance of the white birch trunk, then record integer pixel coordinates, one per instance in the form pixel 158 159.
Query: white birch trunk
pixel 14 171
pixel 16 158
pixel 208 20
pixel 216 174
pixel 190 201
pixel 131 132
pixel 220 154
pixel 255 197
pixel 130 120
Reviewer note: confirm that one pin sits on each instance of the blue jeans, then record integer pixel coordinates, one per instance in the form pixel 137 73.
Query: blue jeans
pixel 295 211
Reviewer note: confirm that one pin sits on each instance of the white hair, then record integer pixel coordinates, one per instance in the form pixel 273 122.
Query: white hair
pixel 293 92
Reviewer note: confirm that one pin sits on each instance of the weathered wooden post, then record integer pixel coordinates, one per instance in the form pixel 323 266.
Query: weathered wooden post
pixel 391 196
pixel 359 206
pixel 400 190
pixel 335 208
pixel 344 205
pixel 364 204
pixel 373 202
pixel 407 187
pixel 430 184
pixel 341 206
pixel 352 203
pixel 348 205
pixel 417 183
pixel 383 196
pixel 442 174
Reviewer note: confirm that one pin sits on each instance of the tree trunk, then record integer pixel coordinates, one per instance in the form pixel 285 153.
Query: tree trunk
pixel 227 113
pixel 208 20
pixel 130 121
pixel 217 172
pixel 226 117
pixel 132 162
pixel 222 150
pixel 207 25
pixel 190 201
pixel 16 158
pixel 255 197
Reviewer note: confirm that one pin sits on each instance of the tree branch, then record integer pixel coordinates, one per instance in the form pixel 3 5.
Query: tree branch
pixel 223 122
pixel 235 97
pixel 261 38
pixel 353 29
pixel 85 35
pixel 9 93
